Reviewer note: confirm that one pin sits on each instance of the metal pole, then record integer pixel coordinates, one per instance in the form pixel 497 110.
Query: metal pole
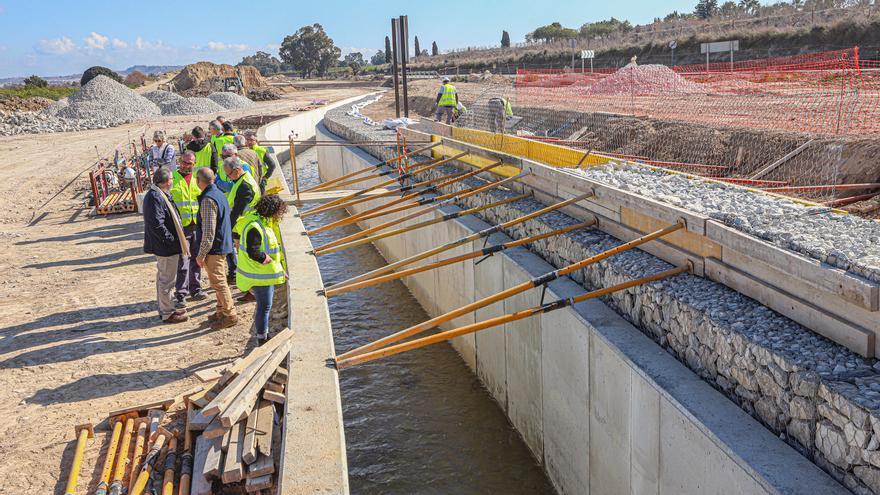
pixel 293 171
pixel 395 53
pixel 404 55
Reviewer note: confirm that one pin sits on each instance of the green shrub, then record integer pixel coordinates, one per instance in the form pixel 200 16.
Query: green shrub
pixel 93 72
pixel 52 92
pixel 35 82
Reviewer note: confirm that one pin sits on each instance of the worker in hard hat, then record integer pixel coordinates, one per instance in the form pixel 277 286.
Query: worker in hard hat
pixel 499 110
pixel 447 100
pixel 261 264
pixel 185 194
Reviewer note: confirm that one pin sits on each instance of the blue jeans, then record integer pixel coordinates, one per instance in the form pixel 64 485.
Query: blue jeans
pixel 264 295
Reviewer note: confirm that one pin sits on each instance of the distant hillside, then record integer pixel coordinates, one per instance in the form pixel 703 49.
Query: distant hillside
pixel 795 32
pixel 150 70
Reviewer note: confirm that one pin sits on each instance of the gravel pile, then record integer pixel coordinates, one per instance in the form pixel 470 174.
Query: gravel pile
pixel 644 80
pixel 230 101
pixel 15 123
pixel 104 99
pixel 159 97
pixel 190 106
pixel 844 241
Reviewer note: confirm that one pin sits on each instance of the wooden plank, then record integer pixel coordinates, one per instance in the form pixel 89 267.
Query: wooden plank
pixel 827 301
pixel 849 287
pixel 773 166
pixel 276 397
pixel 263 350
pixel 208 375
pixel 611 195
pixel 262 466
pixel 280 375
pixel 203 399
pixel 259 483
pixel 233 388
pixel 242 404
pixel 249 445
pixel 331 194
pixel 684 239
pixel 159 404
pixel 274 386
pixel 855 338
pixel 198 420
pixel 207 454
pixel 215 430
pixel 233 468
pixel 265 424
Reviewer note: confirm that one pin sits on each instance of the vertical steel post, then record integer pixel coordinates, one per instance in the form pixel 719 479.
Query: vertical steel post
pixel 395 48
pixel 404 54
pixel 293 171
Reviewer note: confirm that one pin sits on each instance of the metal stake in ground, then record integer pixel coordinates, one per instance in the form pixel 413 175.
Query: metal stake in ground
pixel 454 244
pixel 488 251
pixel 500 320
pixel 517 289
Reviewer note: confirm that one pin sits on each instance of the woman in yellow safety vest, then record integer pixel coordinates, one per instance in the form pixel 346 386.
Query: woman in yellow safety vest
pixel 261 264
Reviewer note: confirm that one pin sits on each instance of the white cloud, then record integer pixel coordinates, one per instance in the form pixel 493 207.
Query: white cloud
pixel 219 46
pixel 366 52
pixel 118 43
pixel 96 41
pixel 142 44
pixel 57 46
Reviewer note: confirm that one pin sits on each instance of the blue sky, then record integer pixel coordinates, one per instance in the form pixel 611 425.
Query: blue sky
pixel 54 37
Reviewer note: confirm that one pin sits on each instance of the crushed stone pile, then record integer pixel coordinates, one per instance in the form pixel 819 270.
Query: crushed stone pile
pixel 230 101
pixel 190 106
pixel 159 97
pixel 15 123
pixel 104 99
pixel 644 80
pixel 844 241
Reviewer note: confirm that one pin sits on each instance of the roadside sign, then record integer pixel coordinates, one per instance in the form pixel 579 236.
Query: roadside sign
pixel 673 45
pixel 588 54
pixel 720 46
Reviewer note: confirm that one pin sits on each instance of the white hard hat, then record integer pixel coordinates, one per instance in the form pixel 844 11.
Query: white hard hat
pixel 445 79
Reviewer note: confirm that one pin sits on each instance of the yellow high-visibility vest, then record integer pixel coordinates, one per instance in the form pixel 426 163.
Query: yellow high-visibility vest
pixel 447 96
pixel 186 197
pixel 250 273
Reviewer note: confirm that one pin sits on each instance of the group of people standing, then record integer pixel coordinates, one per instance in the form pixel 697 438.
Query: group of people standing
pixel 207 210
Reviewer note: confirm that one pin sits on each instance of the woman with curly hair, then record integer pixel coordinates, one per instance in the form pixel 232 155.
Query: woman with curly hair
pixel 261 264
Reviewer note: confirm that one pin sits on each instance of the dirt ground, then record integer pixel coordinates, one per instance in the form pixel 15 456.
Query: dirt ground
pixel 79 333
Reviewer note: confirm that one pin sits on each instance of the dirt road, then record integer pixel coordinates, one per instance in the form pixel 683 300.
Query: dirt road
pixel 79 333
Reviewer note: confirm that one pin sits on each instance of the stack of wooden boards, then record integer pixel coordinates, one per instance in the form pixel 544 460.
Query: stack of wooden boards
pixel 117 202
pixel 235 420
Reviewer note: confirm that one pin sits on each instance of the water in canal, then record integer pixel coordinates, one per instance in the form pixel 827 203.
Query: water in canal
pixel 418 422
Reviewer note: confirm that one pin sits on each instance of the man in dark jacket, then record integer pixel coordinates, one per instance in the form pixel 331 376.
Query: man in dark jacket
pixel 161 238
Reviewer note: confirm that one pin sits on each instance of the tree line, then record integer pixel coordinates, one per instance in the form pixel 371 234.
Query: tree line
pixel 311 52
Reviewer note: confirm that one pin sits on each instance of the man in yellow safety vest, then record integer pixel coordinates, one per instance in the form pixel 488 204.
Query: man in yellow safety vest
pixel 185 194
pixel 447 100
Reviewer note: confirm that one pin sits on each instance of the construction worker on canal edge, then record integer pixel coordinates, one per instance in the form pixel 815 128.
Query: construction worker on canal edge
pixel 499 110
pixel 447 100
